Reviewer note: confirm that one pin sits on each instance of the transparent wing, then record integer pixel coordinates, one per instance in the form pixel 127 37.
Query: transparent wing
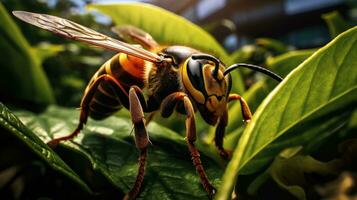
pixel 72 30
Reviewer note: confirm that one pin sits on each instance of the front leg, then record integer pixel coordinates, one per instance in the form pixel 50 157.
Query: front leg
pixel 219 135
pixel 246 113
pixel 221 127
pixel 167 107
pixel 137 103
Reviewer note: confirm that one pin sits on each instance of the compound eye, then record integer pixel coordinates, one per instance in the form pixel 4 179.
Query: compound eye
pixel 194 72
pixel 193 81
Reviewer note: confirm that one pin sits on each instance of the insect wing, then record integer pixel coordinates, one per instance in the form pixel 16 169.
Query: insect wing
pixel 72 30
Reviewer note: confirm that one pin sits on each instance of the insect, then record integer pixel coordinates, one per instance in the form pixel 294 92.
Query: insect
pixel 175 78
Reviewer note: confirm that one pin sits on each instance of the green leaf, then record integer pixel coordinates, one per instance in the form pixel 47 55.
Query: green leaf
pixel 314 135
pixel 243 54
pixel 21 75
pixel 272 45
pixel 110 148
pixel 15 127
pixel 165 27
pixel 335 22
pixel 285 63
pixel 353 121
pixel 322 88
pixel 290 173
pixel 46 50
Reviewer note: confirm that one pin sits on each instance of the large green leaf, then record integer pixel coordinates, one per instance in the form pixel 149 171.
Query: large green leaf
pixel 21 75
pixel 15 127
pixel 164 26
pixel 314 135
pixel 320 89
pixel 110 148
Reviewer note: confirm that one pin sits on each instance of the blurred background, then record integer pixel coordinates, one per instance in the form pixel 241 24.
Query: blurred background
pixel 234 23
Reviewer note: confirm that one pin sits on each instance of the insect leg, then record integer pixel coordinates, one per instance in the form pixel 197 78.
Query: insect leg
pixel 218 138
pixel 137 104
pixel 85 108
pixel 167 107
pixel 82 121
pixel 247 115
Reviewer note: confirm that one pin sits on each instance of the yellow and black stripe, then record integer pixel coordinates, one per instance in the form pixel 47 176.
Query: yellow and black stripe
pixel 108 97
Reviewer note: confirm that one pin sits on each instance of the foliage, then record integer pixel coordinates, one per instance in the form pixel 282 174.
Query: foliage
pixel 14 126
pixel 20 65
pixel 110 149
pixel 292 137
pixel 335 23
pixel 68 65
pixel 290 173
pixel 297 103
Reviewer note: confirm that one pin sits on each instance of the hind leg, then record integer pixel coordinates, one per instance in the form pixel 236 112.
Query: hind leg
pixel 137 106
pixel 85 107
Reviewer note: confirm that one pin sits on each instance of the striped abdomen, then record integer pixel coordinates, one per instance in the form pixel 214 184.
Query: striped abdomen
pixel 108 97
